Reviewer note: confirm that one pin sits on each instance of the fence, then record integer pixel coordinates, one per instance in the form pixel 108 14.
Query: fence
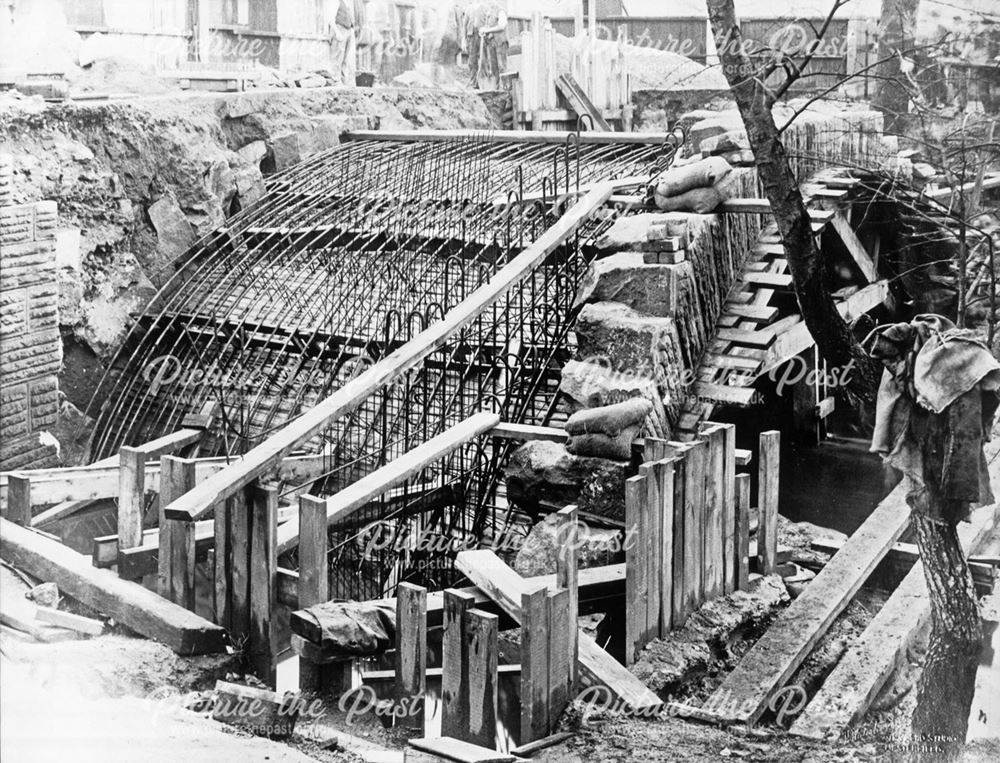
pixel 687 524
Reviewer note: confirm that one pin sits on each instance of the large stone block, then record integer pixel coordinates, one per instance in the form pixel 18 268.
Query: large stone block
pixel 173 231
pixel 545 472
pixel 633 344
pixel 625 278
pixel 596 547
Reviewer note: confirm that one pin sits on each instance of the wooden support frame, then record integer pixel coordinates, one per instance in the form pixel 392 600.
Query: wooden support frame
pixel 314 567
pixel 713 548
pixel 355 496
pixel 506 587
pixel 781 650
pixel 854 247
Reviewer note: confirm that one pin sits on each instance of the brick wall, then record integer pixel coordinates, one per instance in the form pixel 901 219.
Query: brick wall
pixel 30 346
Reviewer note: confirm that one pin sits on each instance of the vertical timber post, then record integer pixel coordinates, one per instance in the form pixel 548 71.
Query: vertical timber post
pixel 131 496
pixel 534 666
pixel 742 546
pixel 176 559
pixel 411 651
pixel 481 677
pixel 239 561
pixel 767 501
pixel 567 576
pixel 454 656
pixel 19 499
pixel 264 645
pixel 635 567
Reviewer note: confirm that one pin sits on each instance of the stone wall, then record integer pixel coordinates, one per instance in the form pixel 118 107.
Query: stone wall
pixel 29 330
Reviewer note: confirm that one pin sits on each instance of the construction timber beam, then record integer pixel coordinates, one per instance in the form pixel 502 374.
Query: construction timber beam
pixel 509 136
pixel 797 339
pixel 358 494
pixel 129 603
pixel 197 503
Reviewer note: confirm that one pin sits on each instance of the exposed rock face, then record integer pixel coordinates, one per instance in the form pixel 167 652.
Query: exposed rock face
pixel 547 472
pixel 642 346
pixel 136 182
pixel 708 635
pixel 625 278
pixel 596 547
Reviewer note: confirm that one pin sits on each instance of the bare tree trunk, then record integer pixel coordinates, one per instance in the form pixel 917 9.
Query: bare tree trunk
pixel 832 335
pixel 947 684
pixel 897 28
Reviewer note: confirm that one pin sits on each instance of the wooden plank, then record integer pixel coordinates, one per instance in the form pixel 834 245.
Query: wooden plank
pixel 357 495
pixel 534 665
pixel 527 432
pixel 652 529
pixel 454 658
pixel 509 136
pixel 137 608
pixel 757 338
pixel 825 407
pixel 849 690
pixel 679 595
pixel 505 586
pixel 264 643
pixel 798 339
pixel 529 749
pixel 238 548
pixel 373 676
pixel 460 751
pixel 567 576
pixel 69 620
pixel 783 647
pixel 482 630
pixel 558 638
pixel 663 472
pixel 854 247
pixel 722 393
pixel 635 568
pixel 81 484
pixel 694 531
pixel 717 360
pixel 743 456
pixel 760 313
pixel 767 501
pixel 314 566
pixel 18 508
pixel 411 650
pixel 131 496
pixel 713 552
pixel 742 546
pixel 729 508
pixel 779 280
pixel 176 538
pixel 199 501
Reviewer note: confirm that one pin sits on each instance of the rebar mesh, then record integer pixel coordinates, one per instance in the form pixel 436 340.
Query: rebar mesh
pixel 349 255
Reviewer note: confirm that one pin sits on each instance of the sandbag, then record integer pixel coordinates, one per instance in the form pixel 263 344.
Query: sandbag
pixel 601 445
pixel 698 200
pixel 700 174
pixel 610 420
